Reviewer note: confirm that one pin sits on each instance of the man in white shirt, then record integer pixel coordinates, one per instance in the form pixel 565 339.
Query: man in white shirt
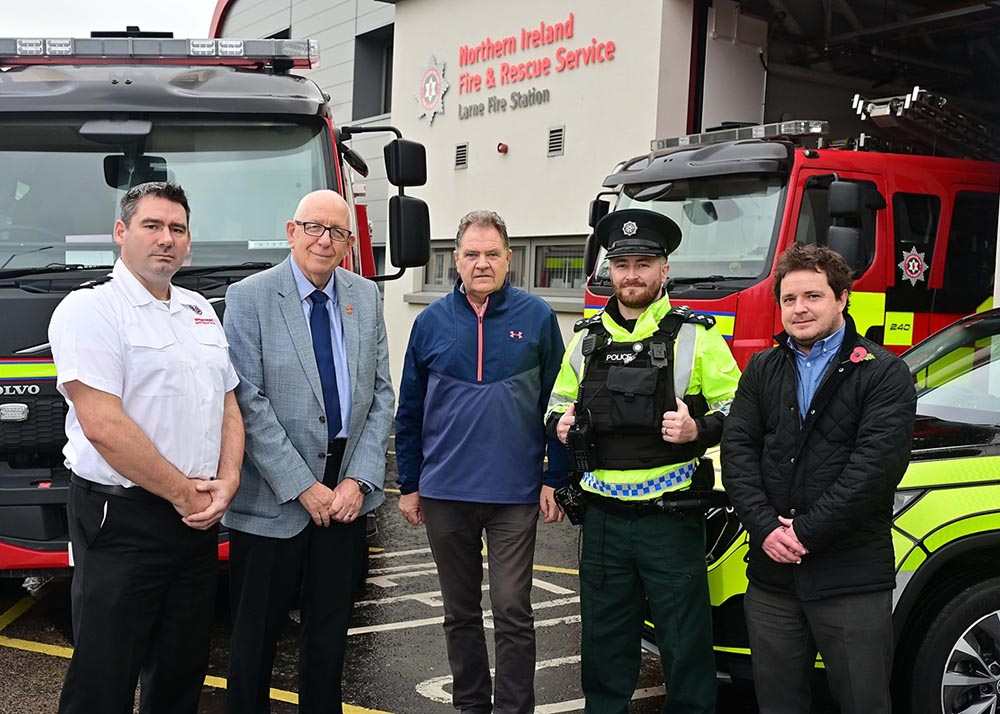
pixel 155 444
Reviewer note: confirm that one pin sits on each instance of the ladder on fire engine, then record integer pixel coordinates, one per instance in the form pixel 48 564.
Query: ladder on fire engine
pixel 923 122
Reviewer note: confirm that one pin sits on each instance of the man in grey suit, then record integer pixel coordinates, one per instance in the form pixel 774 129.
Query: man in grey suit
pixel 308 341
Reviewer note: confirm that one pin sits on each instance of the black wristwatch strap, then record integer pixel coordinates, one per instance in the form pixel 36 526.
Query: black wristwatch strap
pixel 365 488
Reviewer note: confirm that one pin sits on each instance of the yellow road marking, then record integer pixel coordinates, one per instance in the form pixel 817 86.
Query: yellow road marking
pixel 16 611
pixel 26 604
pixel 554 569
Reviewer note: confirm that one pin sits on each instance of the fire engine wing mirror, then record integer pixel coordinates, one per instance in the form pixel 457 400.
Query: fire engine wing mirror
pixel 847 242
pixel 409 232
pixel 124 172
pixel 598 210
pixel 406 163
pixel 590 252
pixel 845 199
pixel 354 160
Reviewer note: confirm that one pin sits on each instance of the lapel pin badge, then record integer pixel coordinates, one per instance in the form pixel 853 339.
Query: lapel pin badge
pixel 349 309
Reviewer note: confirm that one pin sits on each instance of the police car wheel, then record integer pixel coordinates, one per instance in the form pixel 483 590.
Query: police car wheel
pixel 956 667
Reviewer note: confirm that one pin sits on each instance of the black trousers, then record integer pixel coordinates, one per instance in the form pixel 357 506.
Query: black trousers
pixel 142 596
pixel 853 633
pixel 322 565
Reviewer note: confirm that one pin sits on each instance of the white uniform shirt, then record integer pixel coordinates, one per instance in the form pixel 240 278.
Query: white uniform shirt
pixel 169 365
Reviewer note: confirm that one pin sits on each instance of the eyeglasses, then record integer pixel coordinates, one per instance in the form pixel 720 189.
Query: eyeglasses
pixel 316 230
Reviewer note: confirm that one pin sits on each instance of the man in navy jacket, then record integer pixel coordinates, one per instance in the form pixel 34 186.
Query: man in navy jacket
pixel 470 445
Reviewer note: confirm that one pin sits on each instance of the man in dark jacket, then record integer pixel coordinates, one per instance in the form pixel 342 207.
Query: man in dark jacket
pixel 470 444
pixel 816 441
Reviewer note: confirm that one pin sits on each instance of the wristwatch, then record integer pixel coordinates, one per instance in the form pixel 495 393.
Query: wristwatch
pixel 365 487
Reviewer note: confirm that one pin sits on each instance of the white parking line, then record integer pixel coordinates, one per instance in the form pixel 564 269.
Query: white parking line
pixel 434 689
pixel 400 553
pixel 487 616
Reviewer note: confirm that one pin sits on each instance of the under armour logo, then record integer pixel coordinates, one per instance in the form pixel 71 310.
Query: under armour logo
pixel 516 335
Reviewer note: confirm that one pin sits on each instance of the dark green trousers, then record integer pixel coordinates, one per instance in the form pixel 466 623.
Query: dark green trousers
pixel 625 562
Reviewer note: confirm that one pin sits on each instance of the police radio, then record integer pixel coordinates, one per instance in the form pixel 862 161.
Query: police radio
pixel 578 440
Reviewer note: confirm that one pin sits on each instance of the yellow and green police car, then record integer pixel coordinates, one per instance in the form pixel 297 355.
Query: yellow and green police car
pixel 946 535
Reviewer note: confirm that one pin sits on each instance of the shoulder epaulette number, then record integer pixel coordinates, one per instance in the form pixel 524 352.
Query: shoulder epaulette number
pixel 689 315
pixel 587 322
pixel 94 283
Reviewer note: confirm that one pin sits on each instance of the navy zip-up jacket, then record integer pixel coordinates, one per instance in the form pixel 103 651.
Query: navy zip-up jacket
pixel 470 423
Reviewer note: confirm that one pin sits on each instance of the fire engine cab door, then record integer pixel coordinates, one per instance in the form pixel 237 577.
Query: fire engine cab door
pixel 810 224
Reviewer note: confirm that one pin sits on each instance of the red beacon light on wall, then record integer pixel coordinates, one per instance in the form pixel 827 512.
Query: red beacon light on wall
pixel 281 54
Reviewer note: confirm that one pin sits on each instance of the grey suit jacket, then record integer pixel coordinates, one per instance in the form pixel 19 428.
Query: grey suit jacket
pixel 282 400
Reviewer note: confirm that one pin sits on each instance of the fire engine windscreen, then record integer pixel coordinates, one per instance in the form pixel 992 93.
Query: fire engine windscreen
pixel 59 192
pixel 728 224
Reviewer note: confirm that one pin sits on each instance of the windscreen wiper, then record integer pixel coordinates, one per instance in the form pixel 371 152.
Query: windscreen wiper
pixel 209 269
pixel 50 268
pixel 709 279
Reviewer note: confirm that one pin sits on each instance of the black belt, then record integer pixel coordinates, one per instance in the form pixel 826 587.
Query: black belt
pixel 133 493
pixel 626 509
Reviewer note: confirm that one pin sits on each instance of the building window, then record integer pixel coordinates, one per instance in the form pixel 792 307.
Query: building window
pixel 559 267
pixel 373 73
pixel 545 266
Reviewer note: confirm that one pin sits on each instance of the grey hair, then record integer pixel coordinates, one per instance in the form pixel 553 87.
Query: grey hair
pixel 159 189
pixel 482 219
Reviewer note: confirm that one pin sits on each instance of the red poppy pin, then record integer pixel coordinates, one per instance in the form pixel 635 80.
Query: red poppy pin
pixel 860 354
pixel 348 309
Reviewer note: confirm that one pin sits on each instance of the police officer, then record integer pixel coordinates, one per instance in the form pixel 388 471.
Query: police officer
pixel 644 389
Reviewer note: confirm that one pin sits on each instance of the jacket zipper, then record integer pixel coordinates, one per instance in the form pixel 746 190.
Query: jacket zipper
pixel 479 316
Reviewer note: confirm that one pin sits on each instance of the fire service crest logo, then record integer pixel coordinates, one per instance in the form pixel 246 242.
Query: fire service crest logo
pixel 913 265
pixel 431 90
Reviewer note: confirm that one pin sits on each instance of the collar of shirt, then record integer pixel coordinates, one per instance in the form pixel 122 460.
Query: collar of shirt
pixel 136 292
pixel 306 288
pixel 812 367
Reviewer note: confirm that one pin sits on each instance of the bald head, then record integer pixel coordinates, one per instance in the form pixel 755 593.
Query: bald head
pixel 318 256
pixel 323 200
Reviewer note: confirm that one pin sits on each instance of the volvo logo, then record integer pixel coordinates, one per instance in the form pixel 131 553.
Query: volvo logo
pixel 18 390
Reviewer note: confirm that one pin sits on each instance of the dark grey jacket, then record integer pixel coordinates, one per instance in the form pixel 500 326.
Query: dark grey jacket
pixel 835 473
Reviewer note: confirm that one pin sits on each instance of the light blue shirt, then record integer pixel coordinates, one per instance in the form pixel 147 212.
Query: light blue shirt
pixel 811 367
pixel 337 334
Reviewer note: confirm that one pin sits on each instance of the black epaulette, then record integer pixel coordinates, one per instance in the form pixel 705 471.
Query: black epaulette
pixel 94 283
pixel 587 322
pixel 689 315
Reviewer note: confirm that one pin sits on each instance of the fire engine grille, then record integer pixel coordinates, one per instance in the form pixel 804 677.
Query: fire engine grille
pixel 44 428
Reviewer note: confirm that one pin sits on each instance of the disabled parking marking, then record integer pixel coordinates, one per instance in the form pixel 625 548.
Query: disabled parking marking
pixel 434 689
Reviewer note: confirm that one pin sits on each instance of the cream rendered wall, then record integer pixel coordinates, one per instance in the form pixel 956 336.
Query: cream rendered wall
pixel 611 111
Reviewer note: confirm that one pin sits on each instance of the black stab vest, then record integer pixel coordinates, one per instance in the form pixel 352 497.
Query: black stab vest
pixel 626 388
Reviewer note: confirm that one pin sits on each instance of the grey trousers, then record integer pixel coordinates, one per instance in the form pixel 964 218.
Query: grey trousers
pixel 853 633
pixel 455 529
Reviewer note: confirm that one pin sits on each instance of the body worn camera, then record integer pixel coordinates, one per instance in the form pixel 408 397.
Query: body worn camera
pixel 571 500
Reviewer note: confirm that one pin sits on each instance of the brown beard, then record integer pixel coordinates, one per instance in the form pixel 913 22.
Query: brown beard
pixel 648 296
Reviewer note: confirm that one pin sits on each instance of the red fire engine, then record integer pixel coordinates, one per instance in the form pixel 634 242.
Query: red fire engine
pixel 920 230
pixel 83 120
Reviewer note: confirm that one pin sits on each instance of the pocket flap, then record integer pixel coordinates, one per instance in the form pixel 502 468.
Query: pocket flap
pixel 632 380
pixel 143 335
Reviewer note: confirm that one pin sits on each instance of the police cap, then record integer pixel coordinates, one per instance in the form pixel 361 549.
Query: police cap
pixel 636 231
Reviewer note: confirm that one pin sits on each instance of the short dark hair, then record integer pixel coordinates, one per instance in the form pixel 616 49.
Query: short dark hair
pixel 482 219
pixel 160 189
pixel 818 258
